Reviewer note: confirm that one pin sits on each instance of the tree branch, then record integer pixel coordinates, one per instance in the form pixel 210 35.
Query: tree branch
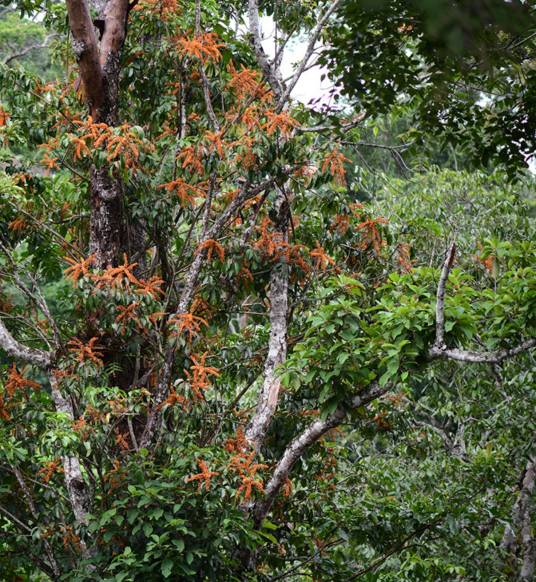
pixel 277 343
pixel 86 50
pixel 308 52
pixel 439 350
pixel 28 49
pixel 17 350
pixel 302 442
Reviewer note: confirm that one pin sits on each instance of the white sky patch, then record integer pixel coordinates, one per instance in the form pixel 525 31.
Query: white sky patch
pixel 310 87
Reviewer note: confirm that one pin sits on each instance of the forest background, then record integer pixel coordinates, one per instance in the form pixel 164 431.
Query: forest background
pixel 248 337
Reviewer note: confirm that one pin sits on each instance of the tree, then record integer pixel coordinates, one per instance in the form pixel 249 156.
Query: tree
pixel 192 277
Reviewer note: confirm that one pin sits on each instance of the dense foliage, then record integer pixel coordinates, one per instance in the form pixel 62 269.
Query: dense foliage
pixel 247 339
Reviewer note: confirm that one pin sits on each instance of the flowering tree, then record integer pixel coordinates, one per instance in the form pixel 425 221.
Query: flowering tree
pixel 193 279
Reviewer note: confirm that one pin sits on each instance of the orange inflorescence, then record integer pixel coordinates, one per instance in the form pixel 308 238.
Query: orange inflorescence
pixel 287 488
pixel 17 225
pixel 334 162
pixel 199 379
pixel 4 116
pixel 370 234
pixel 243 464
pixel 80 269
pixel 322 260
pixel 403 252
pixel 187 193
pixel 191 160
pixel 281 122
pixel 89 352
pixel 188 323
pixel 244 82
pixel 118 276
pixel 204 47
pixel 16 381
pixel 204 477
pixel 237 444
pixel 174 398
pixel 49 469
pixel 126 314
pixel 49 163
pixel 151 287
pixel 212 247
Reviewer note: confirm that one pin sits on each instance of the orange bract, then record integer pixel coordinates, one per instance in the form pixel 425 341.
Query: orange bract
pixel 117 276
pixel 204 47
pixel 89 352
pixel 80 269
pixel 49 163
pixel 4 116
pixel 174 398
pixel 322 260
pixel 150 287
pixel 281 122
pixel 187 193
pixel 204 477
pixel 212 247
pixel 18 224
pixel 188 323
pixel 371 235
pixel 199 380
pixel 49 469
pixel 334 162
pixel 16 381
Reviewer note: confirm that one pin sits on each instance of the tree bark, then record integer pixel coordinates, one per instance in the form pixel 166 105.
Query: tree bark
pixel 277 344
pixel 99 66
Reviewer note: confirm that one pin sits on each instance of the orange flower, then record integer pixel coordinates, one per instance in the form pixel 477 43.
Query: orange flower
pixel 247 470
pixel 150 287
pixel 204 47
pixel 18 224
pixel 281 122
pixel 89 352
pixel 49 163
pixel 16 381
pixel 212 246
pixel 174 398
pixel 334 161
pixel 78 270
pixel 188 323
pixel 204 477
pixel 49 469
pixel 244 82
pixel 199 380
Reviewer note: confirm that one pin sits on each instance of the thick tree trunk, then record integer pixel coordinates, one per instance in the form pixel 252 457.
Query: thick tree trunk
pixel 99 64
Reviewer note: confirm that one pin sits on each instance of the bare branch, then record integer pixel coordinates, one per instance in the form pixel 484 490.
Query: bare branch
pixel 22 352
pixel 302 442
pixel 315 34
pixel 440 350
pixel 269 69
pixel 440 296
pixel 30 48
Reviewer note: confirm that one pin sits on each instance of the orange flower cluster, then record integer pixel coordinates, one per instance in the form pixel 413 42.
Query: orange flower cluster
pixel 187 193
pixel 371 235
pixel 114 277
pixel 403 255
pixel 16 381
pixel 244 83
pixel 174 398
pixel 4 116
pixel 204 477
pixel 334 162
pixel 199 379
pixel 120 142
pixel 191 159
pixel 281 122
pixel 48 469
pixel 242 463
pixel 321 259
pixel 89 352
pixel 188 323
pixel 18 224
pixel 204 47
pixel 212 247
